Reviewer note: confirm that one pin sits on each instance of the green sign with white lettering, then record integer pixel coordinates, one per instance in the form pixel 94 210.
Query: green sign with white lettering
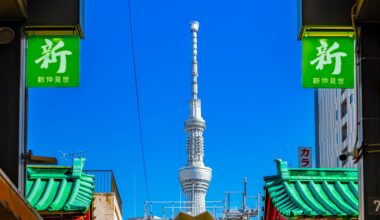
pixel 52 61
pixel 328 62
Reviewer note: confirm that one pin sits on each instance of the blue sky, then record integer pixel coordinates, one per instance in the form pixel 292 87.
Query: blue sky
pixel 249 84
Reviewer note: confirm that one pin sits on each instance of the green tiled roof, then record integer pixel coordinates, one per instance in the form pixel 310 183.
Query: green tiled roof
pixel 59 188
pixel 313 192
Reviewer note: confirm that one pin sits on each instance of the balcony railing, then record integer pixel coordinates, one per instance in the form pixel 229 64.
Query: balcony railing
pixel 105 183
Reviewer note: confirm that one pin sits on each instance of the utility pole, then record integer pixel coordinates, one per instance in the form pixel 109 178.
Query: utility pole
pixel 244 194
pixel 258 205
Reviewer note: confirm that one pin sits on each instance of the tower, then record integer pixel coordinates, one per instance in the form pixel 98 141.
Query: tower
pixel 195 177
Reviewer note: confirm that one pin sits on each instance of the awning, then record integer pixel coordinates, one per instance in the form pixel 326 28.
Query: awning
pixel 13 206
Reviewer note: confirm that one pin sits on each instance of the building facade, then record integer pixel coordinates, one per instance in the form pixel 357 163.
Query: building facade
pixel 195 177
pixel 106 206
pixel 335 126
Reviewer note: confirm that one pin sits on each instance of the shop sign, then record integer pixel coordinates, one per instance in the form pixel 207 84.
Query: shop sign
pixel 304 157
pixel 328 62
pixel 53 61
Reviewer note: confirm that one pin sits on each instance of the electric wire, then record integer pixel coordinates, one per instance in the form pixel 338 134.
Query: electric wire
pixel 138 100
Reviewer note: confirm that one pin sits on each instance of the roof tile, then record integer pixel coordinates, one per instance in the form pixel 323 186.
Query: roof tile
pixel 313 192
pixel 59 188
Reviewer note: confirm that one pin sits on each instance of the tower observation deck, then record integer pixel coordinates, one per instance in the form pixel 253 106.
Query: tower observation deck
pixel 195 177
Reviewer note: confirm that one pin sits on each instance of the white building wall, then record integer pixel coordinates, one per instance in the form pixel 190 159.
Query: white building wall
pixel 106 207
pixel 330 120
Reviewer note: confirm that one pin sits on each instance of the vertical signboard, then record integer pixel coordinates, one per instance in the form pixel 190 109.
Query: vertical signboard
pixel 304 157
pixel 53 61
pixel 328 62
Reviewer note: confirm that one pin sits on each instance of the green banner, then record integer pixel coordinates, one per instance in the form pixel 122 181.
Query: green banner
pixel 52 61
pixel 328 62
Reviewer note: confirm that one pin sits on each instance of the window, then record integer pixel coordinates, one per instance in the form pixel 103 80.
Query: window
pixel 337 138
pixel 337 161
pixel 344 132
pixel 351 98
pixel 345 149
pixel 336 115
pixel 343 108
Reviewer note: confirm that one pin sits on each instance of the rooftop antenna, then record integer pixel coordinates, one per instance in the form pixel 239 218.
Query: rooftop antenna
pixel 65 155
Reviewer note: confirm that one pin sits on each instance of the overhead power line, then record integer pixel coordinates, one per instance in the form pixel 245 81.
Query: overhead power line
pixel 138 100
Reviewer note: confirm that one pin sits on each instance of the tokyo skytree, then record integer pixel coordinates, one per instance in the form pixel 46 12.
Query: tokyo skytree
pixel 195 177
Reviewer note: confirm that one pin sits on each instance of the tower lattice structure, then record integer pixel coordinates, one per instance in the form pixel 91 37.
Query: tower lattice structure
pixel 195 177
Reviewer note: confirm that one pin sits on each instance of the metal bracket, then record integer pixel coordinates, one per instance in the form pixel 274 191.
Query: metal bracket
pixel 30 159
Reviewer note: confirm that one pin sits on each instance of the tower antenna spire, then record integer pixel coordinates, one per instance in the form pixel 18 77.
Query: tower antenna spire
pixel 194 30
